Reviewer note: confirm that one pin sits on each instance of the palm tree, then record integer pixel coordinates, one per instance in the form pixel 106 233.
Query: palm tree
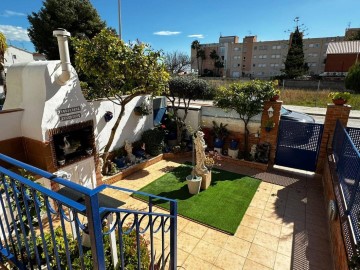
pixel 195 45
pixel 3 47
pixel 214 56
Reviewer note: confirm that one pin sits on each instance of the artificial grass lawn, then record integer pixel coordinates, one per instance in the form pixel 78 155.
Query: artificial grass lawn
pixel 221 206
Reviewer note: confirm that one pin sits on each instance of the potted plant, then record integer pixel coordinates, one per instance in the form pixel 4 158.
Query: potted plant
pixel 220 133
pixel 339 98
pixel 143 109
pixel 233 149
pixel 154 141
pixel 269 125
pixel 276 95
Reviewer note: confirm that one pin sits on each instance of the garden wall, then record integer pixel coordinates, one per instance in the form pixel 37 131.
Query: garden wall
pixel 131 126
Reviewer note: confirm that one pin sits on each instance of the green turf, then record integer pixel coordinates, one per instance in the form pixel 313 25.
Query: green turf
pixel 221 206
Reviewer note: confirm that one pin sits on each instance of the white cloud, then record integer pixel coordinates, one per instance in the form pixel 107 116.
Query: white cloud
pixel 166 33
pixel 10 13
pixel 196 36
pixel 15 33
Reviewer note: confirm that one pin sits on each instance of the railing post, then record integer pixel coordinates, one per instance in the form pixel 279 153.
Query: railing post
pixel 173 235
pixel 95 230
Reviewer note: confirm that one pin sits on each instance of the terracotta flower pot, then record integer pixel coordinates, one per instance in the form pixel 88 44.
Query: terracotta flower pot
pixel 275 98
pixel 339 101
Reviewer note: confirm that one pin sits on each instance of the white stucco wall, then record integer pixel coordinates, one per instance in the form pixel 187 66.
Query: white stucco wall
pixel 10 125
pixel 131 126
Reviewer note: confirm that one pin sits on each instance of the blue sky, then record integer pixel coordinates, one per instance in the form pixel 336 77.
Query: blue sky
pixel 172 25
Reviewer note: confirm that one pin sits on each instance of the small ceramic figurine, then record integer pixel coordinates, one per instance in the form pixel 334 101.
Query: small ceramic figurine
pixel 128 148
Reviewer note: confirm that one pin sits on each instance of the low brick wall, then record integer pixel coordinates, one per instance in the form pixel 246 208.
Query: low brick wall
pixel 338 249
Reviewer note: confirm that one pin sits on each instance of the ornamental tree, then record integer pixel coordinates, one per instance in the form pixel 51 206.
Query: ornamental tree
pixel 199 53
pixel 119 71
pixel 246 99
pixel 295 65
pixel 182 90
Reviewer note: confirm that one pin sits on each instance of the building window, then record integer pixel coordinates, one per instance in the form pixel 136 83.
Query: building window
pixel 237 49
pixel 237 57
pixel 263 47
pixel 312 54
pixel 254 56
pixel 222 57
pixel 14 56
pixel 263 56
pixel 277 56
pixel 254 65
pixel 276 47
pixel 261 65
pixel 255 48
pixel 243 66
pixel 222 50
pixel 244 58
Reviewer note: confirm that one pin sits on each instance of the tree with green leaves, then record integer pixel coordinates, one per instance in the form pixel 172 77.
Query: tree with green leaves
pixel 295 65
pixel 119 71
pixel 76 16
pixel 199 54
pixel 3 47
pixel 247 100
pixel 352 80
pixel 182 90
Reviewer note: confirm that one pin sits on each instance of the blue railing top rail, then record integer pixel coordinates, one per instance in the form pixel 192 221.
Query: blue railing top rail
pixel 67 183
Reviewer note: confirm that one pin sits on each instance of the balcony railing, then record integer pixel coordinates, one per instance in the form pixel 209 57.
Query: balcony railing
pixel 77 227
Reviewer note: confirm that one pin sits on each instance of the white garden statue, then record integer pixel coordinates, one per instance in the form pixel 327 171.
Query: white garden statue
pixel 128 148
pixel 200 168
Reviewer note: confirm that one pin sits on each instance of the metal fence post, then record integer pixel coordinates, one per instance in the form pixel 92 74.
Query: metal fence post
pixel 173 235
pixel 95 230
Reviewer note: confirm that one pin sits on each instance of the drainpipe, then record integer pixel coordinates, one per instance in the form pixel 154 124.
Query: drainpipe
pixel 62 38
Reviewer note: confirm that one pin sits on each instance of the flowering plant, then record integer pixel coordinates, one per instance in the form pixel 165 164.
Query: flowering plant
pixel 212 159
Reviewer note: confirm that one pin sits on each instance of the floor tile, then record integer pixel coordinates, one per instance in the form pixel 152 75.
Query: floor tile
pixel 245 233
pixel 251 222
pixel 187 242
pixel 229 260
pixel 251 265
pixel 206 251
pixel 262 255
pixel 266 240
pixel 270 228
pixel 193 263
pixel 215 237
pixel 195 229
pixel 282 262
pixel 238 246
pixel 254 212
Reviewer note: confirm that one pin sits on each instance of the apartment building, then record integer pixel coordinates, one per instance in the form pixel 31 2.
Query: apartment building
pixel 261 59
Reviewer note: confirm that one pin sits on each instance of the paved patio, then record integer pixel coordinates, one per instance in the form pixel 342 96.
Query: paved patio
pixel 284 227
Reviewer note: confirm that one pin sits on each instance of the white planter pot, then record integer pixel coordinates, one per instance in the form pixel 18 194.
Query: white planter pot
pixel 218 150
pixel 194 184
pixel 233 153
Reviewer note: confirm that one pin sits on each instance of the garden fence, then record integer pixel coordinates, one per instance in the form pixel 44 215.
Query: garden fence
pixel 347 158
pixel 43 229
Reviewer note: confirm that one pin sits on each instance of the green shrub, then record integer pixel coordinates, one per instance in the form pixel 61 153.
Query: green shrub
pixel 154 141
pixel 130 251
pixel 352 80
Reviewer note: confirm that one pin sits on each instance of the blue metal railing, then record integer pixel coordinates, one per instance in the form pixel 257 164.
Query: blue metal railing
pixel 347 158
pixel 42 228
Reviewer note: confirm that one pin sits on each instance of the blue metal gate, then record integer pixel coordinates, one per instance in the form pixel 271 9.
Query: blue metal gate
pixel 298 145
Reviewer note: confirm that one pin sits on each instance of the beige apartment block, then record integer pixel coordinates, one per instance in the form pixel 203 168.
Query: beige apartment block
pixel 260 59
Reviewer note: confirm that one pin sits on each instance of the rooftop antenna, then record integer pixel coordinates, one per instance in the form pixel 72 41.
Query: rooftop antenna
pixel 249 32
pixel 349 25
pixel 296 20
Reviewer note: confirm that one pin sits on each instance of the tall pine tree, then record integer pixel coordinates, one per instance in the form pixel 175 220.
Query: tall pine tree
pixel 78 17
pixel 295 65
